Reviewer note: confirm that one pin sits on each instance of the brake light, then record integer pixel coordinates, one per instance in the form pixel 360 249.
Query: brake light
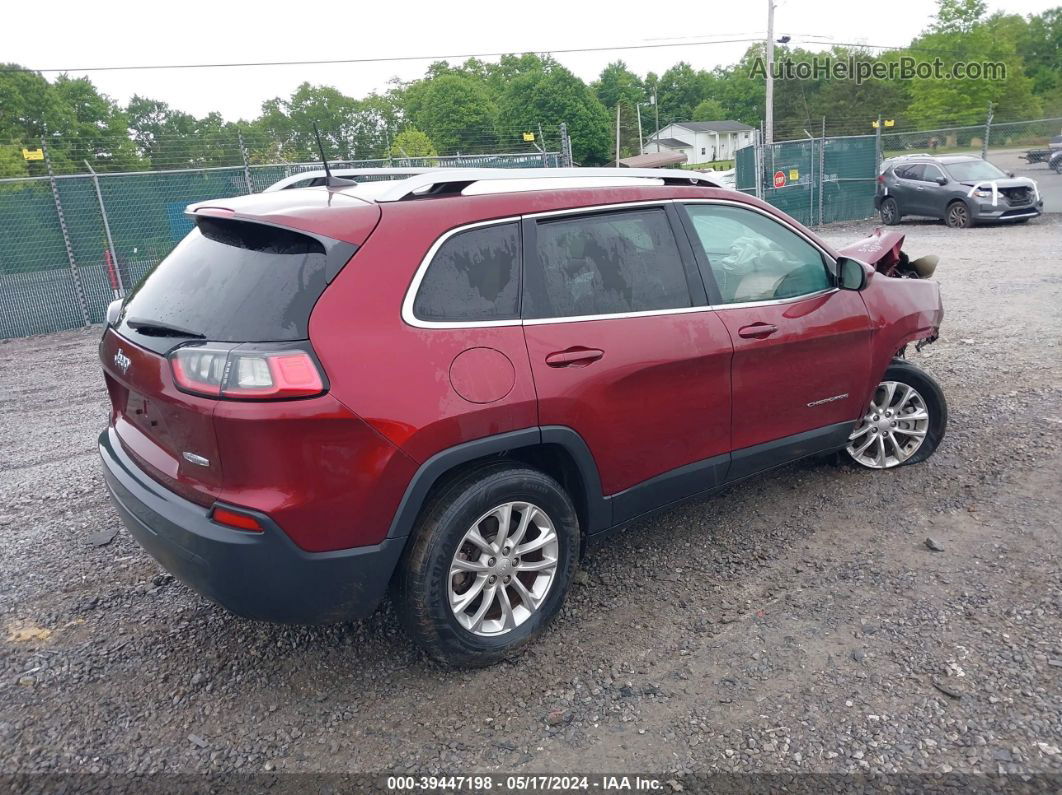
pixel 236 519
pixel 245 374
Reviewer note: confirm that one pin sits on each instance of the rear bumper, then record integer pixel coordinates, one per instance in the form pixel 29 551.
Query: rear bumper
pixel 256 575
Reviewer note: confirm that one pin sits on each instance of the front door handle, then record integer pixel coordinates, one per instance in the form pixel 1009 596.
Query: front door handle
pixel 757 331
pixel 577 356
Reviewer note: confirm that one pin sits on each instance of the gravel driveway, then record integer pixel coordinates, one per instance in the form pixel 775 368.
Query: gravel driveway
pixel 798 622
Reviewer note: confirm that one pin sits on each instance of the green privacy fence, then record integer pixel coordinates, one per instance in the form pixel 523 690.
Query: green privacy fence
pixel 70 244
pixel 817 180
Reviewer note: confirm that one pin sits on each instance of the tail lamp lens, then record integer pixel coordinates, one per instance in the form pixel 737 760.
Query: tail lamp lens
pixel 246 374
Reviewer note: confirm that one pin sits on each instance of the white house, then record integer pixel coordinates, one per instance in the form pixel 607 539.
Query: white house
pixel 701 141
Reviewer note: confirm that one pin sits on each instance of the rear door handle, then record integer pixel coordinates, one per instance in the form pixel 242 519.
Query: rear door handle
pixel 576 356
pixel 757 331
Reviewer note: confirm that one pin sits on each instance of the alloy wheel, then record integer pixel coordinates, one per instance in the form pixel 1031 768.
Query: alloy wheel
pixel 894 427
pixel 503 569
pixel 958 216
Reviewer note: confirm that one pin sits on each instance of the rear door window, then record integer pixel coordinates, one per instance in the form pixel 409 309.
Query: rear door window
pixel 911 172
pixel 234 281
pixel 474 276
pixel 607 263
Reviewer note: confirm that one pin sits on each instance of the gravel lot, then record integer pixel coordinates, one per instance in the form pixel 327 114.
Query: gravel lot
pixel 798 622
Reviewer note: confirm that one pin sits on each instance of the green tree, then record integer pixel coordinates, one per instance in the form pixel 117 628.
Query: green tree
pixel 455 110
pixel 709 110
pixel 680 90
pixel 95 129
pixel 618 85
pixel 412 143
pixel 554 95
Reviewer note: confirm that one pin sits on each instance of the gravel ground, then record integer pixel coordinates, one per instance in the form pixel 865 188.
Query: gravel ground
pixel 797 622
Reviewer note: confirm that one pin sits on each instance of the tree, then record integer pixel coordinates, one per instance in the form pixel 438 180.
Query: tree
pixel 618 85
pixel 412 143
pixel 554 95
pixel 95 129
pixel 709 110
pixel 455 110
pixel 680 90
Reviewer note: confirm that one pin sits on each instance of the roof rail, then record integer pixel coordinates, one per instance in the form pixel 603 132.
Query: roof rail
pixel 350 173
pixel 448 181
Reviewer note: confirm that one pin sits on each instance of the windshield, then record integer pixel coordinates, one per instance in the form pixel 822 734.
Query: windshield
pixel 970 170
pixel 231 281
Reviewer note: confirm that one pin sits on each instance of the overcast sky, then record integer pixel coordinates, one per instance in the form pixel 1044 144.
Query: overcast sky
pixel 71 34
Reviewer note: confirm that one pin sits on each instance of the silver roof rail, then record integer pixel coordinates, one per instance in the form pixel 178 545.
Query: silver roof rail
pixel 351 173
pixel 454 180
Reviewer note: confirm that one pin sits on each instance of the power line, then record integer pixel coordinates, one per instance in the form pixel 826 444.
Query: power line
pixel 391 59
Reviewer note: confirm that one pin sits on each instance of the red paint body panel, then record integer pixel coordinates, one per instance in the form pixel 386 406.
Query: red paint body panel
pixel 820 351
pixel 902 311
pixel 658 399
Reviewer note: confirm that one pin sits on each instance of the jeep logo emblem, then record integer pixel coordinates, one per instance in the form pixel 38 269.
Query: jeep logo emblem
pixel 122 362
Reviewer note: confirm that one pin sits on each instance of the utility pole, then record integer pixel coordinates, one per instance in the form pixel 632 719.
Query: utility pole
pixel 638 110
pixel 617 134
pixel 769 52
pixel 657 106
pixel 988 131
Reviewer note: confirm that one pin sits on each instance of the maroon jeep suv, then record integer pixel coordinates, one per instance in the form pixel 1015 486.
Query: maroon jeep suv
pixel 445 385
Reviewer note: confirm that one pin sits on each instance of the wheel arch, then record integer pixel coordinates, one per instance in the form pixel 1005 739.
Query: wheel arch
pixel 558 451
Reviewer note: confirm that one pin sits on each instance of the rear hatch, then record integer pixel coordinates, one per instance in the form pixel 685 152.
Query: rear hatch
pixel 234 287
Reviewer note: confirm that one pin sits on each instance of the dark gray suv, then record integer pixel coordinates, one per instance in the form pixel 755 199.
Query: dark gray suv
pixel 961 190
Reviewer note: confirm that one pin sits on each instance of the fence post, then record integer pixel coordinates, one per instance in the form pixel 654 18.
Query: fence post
pixel 988 131
pixel 79 289
pixel 822 166
pixel 565 146
pixel 246 165
pixel 878 153
pixel 107 230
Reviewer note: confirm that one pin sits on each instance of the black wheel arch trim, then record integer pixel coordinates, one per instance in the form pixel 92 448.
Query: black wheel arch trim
pixel 598 507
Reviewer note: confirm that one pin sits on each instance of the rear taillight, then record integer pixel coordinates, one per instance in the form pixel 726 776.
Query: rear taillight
pixel 243 373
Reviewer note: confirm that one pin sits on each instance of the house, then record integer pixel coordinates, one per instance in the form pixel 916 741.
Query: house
pixel 701 141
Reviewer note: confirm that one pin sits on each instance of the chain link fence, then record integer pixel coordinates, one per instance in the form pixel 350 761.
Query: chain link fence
pixel 71 243
pixel 816 181
pixel 971 139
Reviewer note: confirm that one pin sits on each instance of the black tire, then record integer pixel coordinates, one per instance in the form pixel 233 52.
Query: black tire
pixel 423 581
pixel 890 211
pixel 929 388
pixel 957 216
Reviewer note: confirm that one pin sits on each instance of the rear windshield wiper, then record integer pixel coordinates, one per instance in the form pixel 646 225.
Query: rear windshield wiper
pixel 156 328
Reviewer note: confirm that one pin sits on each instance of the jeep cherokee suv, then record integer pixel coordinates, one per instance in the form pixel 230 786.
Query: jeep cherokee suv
pixel 960 190
pixel 444 385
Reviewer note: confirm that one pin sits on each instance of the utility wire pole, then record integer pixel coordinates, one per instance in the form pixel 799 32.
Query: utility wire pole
pixel 638 110
pixel 769 53
pixel 657 106
pixel 617 134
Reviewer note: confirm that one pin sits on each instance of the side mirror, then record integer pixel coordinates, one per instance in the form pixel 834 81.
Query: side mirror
pixel 851 274
pixel 942 180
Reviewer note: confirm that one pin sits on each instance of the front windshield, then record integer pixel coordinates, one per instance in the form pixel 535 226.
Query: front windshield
pixel 967 170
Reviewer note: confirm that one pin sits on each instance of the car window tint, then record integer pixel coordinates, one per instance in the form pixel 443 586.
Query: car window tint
pixel 911 172
pixel 754 258
pixel 606 264
pixel 475 275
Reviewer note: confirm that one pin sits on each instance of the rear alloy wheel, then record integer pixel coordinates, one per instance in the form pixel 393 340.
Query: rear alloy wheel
pixel 489 565
pixel 904 423
pixel 958 215
pixel 890 211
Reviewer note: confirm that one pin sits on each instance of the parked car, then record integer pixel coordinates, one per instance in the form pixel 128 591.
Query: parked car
pixel 960 190
pixel 447 385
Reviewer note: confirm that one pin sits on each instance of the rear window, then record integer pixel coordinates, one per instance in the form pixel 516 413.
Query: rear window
pixel 234 281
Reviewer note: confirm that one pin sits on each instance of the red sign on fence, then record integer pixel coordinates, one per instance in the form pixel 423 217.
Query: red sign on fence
pixel 779 179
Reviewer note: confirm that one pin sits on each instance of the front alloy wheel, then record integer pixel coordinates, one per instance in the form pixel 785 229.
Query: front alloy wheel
pixel 958 216
pixel 905 421
pixel 503 569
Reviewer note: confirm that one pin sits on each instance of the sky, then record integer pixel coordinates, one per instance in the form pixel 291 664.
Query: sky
pixel 120 33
